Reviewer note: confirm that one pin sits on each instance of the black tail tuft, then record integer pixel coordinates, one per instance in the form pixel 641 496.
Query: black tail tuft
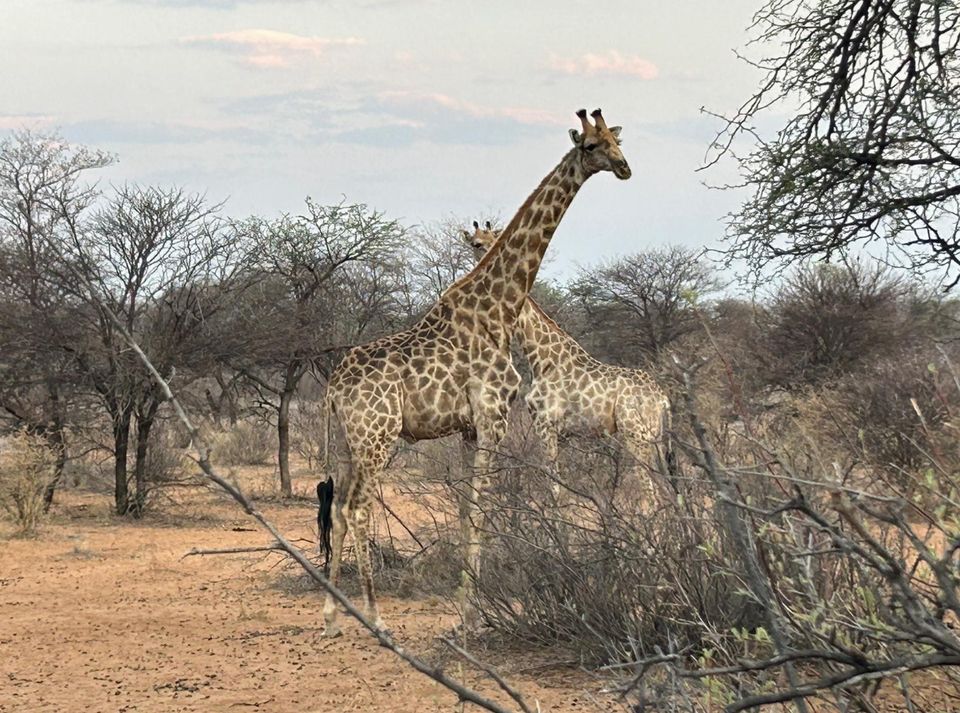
pixel 325 519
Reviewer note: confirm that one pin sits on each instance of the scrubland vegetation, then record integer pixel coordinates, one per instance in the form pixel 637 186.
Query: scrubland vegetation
pixel 804 551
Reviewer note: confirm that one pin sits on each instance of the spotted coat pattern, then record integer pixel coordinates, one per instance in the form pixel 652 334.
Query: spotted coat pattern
pixel 571 392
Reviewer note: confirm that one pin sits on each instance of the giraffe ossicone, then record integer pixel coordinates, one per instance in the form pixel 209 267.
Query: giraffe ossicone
pixel 451 372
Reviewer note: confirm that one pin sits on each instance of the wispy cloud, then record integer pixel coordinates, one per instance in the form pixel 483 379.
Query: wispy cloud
pixel 208 4
pixel 111 131
pixel 437 102
pixel 606 63
pixel 232 4
pixel 9 122
pixel 392 118
pixel 401 118
pixel 269 49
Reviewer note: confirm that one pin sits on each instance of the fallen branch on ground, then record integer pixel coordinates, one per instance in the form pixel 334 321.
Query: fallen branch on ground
pixel 234 550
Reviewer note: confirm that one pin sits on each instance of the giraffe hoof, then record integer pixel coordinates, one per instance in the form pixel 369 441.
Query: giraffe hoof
pixel 331 631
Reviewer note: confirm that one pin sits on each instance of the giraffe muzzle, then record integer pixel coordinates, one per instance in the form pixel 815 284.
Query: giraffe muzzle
pixel 621 170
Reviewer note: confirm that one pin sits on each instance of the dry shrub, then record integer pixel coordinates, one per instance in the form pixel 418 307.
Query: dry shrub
pixel 828 319
pixel 433 570
pixel 27 467
pixel 889 415
pixel 608 574
pixel 881 405
pixel 166 460
pixel 247 443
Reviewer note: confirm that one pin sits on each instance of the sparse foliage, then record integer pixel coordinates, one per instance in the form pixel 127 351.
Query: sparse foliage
pixel 247 443
pixel 641 304
pixel 825 320
pixel 320 282
pixel 869 153
pixel 27 468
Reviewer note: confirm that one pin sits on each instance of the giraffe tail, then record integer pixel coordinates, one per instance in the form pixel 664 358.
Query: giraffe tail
pixel 325 519
pixel 327 410
pixel 325 488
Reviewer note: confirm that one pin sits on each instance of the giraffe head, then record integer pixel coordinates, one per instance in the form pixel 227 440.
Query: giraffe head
pixel 599 146
pixel 481 239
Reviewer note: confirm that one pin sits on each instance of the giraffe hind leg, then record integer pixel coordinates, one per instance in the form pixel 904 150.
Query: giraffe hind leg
pixel 548 433
pixel 361 524
pixel 639 441
pixel 340 514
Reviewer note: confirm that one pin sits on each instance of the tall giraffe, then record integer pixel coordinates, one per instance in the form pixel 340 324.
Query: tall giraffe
pixel 452 371
pixel 572 392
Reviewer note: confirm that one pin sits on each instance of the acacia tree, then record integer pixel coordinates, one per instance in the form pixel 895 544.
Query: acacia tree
pixel 162 264
pixel 437 257
pixel 42 196
pixel 642 303
pixel 299 262
pixel 827 319
pixel 871 153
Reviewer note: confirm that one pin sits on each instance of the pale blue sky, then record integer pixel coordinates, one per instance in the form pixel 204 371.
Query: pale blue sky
pixel 420 108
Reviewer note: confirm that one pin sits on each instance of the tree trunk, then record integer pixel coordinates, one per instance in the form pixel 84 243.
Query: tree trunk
pixel 283 435
pixel 56 439
pixel 58 442
pixel 144 424
pixel 227 399
pixel 121 444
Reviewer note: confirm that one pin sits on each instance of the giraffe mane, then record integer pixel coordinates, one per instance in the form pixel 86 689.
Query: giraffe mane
pixel 511 228
pixel 551 323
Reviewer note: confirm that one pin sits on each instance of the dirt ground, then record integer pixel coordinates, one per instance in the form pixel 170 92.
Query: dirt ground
pixel 98 613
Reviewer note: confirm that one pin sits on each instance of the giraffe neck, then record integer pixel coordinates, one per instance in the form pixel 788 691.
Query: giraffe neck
pixel 509 268
pixel 544 344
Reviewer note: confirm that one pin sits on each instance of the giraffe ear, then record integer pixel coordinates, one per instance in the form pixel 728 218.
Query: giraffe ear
pixel 576 137
pixel 615 130
pixel 466 234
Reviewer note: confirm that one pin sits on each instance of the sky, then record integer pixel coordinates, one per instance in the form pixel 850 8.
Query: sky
pixel 421 108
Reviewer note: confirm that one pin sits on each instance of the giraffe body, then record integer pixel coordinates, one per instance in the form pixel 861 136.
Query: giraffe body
pixel 452 371
pixel 571 392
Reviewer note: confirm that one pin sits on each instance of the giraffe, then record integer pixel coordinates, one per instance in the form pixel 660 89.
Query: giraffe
pixel 572 392
pixel 451 372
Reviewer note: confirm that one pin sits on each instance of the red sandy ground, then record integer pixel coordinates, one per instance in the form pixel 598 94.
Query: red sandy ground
pixel 98 613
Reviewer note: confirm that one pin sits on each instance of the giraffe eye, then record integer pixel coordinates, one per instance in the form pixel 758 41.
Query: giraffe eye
pixel 590 147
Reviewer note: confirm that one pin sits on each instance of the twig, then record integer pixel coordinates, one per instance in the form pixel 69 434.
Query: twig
pixel 396 517
pixel 234 550
pixel 491 672
pixel 742 536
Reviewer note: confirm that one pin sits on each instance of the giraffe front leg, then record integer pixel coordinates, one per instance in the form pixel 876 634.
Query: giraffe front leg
pixel 472 515
pixel 467 510
pixel 639 442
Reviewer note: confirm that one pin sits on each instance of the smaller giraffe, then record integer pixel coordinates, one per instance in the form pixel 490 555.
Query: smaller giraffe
pixel 572 392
